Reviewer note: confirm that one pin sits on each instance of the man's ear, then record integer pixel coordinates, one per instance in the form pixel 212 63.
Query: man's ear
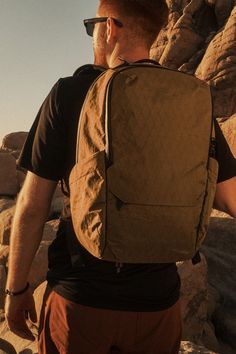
pixel 111 31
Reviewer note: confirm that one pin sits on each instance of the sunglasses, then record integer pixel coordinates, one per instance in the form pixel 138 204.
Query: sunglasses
pixel 91 22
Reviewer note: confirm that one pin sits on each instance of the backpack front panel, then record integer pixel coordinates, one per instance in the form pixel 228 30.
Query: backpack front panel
pixel 146 132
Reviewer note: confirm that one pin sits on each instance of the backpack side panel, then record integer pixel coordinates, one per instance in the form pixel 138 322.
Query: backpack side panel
pixel 88 177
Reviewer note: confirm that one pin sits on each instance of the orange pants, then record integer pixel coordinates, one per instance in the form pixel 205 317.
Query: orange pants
pixel 70 328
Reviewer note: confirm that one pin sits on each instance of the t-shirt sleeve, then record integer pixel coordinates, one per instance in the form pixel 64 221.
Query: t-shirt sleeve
pixel 225 158
pixel 44 150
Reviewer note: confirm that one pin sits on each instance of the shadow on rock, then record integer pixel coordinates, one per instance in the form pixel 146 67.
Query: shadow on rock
pixel 6 347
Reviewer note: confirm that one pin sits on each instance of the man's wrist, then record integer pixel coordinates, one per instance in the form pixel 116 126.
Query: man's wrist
pixel 15 293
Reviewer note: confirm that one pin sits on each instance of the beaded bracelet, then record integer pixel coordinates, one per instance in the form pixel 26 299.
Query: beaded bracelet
pixel 15 293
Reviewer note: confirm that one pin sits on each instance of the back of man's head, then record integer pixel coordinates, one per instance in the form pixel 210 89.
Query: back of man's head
pixel 142 18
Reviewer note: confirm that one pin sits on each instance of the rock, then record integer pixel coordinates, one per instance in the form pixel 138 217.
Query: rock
pixel 193 298
pixel 222 10
pixel 6 347
pixel 14 141
pixel 182 39
pixel 8 179
pixel 50 230
pixel 220 250
pixel 20 345
pixel 209 339
pixel 6 203
pixel 190 347
pixel 213 301
pixel 219 214
pixel 218 68
pixel 6 218
pixel 4 252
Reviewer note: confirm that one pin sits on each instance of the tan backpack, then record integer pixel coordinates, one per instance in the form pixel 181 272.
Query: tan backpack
pixel 144 182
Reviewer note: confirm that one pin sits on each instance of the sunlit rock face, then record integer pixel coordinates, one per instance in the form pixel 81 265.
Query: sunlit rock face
pixel 200 39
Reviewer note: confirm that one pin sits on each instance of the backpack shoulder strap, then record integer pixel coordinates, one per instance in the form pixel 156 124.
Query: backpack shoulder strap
pixel 88 68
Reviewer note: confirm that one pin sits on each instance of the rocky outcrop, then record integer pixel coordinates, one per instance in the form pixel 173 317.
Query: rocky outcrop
pixel 14 142
pixel 200 39
pixel 8 177
pixel 220 251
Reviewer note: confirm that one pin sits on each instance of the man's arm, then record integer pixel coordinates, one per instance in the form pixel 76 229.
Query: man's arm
pixel 225 197
pixel 31 213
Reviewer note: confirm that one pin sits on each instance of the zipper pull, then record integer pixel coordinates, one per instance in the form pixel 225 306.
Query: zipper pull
pixel 118 267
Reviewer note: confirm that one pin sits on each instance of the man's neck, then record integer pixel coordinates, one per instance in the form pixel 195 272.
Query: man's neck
pixel 119 56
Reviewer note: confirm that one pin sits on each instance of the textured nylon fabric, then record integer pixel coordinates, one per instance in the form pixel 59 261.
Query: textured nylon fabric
pixel 143 185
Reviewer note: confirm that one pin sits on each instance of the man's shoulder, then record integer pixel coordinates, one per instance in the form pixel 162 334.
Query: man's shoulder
pixel 82 78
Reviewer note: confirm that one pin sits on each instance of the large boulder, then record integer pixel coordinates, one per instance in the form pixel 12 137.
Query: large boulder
pixel 9 341
pixel 218 68
pixel 193 297
pixel 8 178
pixel 200 39
pixel 220 251
pixel 14 141
pixel 6 203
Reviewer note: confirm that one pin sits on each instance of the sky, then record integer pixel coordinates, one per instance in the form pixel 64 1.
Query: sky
pixel 40 41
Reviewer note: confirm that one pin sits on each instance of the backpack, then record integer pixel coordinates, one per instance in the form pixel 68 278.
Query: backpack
pixel 144 181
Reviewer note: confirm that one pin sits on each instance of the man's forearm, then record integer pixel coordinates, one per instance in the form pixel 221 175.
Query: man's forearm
pixel 27 229
pixel 26 235
pixel 225 197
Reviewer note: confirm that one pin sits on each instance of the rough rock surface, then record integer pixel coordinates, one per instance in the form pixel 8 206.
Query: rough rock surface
pixel 6 203
pixel 200 39
pixel 220 251
pixel 193 297
pixel 14 141
pixel 8 178
pixel 190 347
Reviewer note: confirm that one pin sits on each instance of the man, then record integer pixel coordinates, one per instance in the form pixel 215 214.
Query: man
pixel 90 307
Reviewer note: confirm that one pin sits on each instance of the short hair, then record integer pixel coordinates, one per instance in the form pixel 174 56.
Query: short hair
pixel 146 17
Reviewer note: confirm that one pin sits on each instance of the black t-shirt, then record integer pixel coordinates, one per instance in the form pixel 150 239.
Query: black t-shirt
pixel 49 152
